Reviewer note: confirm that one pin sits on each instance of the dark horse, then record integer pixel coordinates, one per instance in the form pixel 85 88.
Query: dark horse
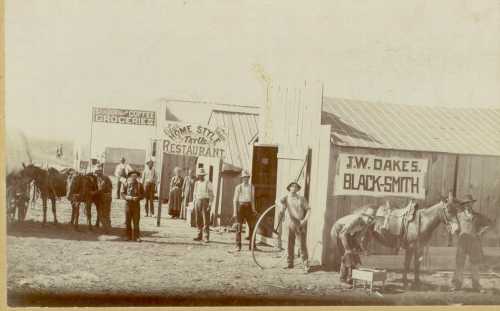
pixel 82 189
pixel 415 232
pixel 51 184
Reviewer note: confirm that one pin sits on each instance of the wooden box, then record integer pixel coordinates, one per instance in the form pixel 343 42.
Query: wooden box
pixel 367 276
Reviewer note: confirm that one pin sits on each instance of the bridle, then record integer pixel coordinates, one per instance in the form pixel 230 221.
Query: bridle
pixel 444 216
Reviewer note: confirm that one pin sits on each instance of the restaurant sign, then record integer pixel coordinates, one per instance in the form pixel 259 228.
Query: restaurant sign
pixel 124 116
pixel 371 175
pixel 194 140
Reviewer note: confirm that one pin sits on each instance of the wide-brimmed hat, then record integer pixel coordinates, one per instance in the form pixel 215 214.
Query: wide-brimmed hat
pixel 122 159
pixel 370 212
pixel 467 199
pixel 134 172
pixel 244 173
pixel 98 168
pixel 293 183
pixel 150 161
pixel 201 172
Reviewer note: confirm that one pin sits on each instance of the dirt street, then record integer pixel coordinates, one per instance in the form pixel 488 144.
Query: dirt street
pixel 57 266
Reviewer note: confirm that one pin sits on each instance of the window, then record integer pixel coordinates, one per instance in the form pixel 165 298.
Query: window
pixel 200 165
pixel 153 149
pixel 211 173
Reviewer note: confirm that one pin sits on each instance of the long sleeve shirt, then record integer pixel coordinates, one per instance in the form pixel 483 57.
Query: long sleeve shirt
pixel 133 189
pixel 203 190
pixel 149 176
pixel 121 170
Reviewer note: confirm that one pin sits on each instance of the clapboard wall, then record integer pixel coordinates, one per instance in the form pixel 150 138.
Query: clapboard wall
pixel 462 174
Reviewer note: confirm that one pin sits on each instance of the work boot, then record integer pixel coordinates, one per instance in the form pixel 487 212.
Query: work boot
pixel 288 266
pixel 197 238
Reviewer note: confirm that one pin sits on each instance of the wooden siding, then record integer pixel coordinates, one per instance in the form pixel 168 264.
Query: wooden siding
pixel 480 177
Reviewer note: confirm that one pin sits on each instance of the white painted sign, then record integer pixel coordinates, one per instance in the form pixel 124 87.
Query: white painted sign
pixel 194 140
pixel 371 175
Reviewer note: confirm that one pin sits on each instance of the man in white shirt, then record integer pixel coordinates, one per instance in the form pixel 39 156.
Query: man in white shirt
pixel 244 207
pixel 149 180
pixel 121 172
pixel 203 196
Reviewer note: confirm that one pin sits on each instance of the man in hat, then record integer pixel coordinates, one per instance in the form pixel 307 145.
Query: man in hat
pixel 244 207
pixel 472 226
pixel 133 193
pixel 346 234
pixel 103 197
pixel 149 180
pixel 298 214
pixel 203 196
pixel 121 171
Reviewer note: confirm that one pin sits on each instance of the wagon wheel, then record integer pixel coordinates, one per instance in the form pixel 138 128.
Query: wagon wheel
pixel 270 254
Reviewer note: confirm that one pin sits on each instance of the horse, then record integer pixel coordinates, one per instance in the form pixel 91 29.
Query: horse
pixel 82 189
pixel 51 184
pixel 413 231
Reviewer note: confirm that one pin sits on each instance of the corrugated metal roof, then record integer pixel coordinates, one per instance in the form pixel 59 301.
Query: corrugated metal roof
pixel 421 128
pixel 242 127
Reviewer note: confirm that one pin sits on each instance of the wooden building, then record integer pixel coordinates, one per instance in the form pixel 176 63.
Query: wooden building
pixel 242 126
pixel 452 149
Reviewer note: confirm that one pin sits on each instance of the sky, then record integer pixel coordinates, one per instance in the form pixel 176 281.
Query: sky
pixel 65 56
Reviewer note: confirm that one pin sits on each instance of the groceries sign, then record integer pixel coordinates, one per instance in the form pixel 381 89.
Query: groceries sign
pixel 194 140
pixel 371 175
pixel 124 116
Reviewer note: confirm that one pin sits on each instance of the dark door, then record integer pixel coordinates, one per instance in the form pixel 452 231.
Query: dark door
pixel 264 173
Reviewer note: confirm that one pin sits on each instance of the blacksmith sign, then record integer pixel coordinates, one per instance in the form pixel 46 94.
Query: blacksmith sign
pixel 194 140
pixel 371 175
pixel 124 116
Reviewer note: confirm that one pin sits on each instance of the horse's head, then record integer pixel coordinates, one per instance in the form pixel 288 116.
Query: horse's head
pixel 449 215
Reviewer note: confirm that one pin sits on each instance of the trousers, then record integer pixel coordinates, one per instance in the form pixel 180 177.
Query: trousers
pixel 203 217
pixel 467 246
pixel 132 217
pixel 344 263
pixel 149 195
pixel 295 231
pixel 244 213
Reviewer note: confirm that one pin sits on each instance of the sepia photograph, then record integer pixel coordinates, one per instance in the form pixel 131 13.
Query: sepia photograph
pixel 181 153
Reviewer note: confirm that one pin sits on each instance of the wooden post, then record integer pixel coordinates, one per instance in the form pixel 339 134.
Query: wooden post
pixel 160 188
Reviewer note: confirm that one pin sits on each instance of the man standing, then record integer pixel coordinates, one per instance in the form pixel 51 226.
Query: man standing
pixel 121 171
pixel 104 197
pixel 187 192
pixel 244 207
pixel 149 180
pixel 133 193
pixel 345 234
pixel 472 226
pixel 298 214
pixel 203 196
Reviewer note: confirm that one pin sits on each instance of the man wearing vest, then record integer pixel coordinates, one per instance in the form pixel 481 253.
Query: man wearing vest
pixel 203 196
pixel 298 214
pixel 133 193
pixel 244 207
pixel 472 226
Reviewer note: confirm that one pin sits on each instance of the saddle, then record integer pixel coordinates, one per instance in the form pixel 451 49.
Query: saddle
pixel 396 220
